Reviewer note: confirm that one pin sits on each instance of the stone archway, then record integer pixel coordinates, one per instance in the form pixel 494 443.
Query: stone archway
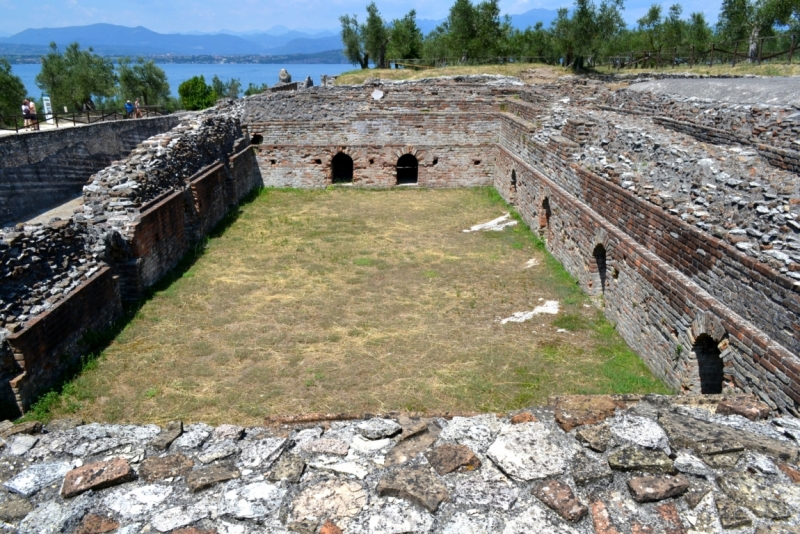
pixel 407 170
pixel 342 169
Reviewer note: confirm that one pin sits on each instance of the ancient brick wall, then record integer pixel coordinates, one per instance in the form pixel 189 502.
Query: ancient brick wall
pixel 451 150
pixel 51 345
pixel 665 282
pixel 169 225
pixel 40 170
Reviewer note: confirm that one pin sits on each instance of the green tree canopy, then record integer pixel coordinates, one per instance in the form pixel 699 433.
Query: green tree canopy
pixel 196 94
pixel 751 19
pixel 253 89
pixel 376 36
pixel 229 89
pixel 74 77
pixel 142 79
pixel 353 39
pixel 405 38
pixel 12 90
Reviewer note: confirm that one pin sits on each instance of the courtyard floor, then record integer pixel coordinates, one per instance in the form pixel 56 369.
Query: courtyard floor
pixel 348 300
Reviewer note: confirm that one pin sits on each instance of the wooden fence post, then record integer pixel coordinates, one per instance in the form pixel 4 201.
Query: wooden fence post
pixel 791 49
pixel 735 51
pixel 691 58
pixel 760 49
pixel 711 63
pixel 674 57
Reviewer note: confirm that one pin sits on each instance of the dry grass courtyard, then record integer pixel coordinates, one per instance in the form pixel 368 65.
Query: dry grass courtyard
pixel 358 301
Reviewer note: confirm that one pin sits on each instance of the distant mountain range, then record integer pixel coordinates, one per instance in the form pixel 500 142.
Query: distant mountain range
pixel 113 40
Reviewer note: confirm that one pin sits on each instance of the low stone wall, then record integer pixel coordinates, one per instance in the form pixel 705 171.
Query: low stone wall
pixel 582 465
pixel 51 345
pixel 69 278
pixel 40 170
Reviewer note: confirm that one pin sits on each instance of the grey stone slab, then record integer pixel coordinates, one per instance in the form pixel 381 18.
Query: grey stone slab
pixel 378 428
pixel 415 484
pixel 526 452
pixel 20 444
pixel 34 478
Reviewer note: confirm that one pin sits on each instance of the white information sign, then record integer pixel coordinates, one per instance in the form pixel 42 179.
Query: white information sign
pixel 48 109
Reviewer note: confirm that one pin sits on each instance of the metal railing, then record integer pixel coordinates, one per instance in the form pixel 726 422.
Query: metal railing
pixel 18 122
pixel 431 63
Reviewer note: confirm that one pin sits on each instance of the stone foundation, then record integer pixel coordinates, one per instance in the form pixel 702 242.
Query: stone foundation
pixel 604 464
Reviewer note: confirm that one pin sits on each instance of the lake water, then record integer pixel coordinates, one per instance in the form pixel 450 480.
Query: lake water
pixel 246 73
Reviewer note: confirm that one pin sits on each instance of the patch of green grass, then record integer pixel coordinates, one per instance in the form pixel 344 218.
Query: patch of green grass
pixel 376 295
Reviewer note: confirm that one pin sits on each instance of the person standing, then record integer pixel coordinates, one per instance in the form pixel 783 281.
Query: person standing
pixel 33 114
pixel 26 113
pixel 128 109
pixel 136 109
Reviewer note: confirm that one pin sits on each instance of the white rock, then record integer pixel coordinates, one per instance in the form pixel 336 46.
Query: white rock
pixel 21 444
pixel 477 432
pixel 369 445
pixel 535 519
pixel 260 453
pixel 37 476
pixel 641 431
pixel 252 501
pixel 135 504
pixel 327 446
pixel 687 463
pixel 330 499
pixel 398 517
pixel 218 450
pixel 495 225
pixel 177 517
pixel 378 428
pixel 525 452
pixel 193 436
pixel 347 468
pixel 462 523
pixel 474 491
pixel 227 432
pixel 304 436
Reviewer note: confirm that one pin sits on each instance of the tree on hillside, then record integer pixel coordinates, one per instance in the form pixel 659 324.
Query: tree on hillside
pixel 751 19
pixel 534 41
pixel 376 36
pixel 459 29
pixel 253 89
pixel 12 90
pixel 196 94
pixel 229 89
pixel 353 40
pixel 589 31
pixel 405 38
pixel 142 79
pixel 698 32
pixel 74 77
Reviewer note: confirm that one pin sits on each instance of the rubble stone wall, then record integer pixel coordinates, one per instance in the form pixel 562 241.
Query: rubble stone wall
pixel 44 169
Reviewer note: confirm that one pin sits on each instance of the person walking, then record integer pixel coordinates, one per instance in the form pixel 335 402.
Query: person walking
pixel 137 112
pixel 128 109
pixel 33 114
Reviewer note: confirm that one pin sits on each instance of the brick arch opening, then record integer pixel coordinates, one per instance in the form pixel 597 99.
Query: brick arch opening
pixel 342 169
pixel 513 181
pixel 544 214
pixel 600 266
pixel 407 169
pixel 709 364
pixel 257 139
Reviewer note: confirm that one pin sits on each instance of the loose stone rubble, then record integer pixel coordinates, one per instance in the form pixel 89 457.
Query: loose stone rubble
pixel 533 471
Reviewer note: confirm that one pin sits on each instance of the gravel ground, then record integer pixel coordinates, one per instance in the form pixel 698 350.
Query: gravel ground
pixel 772 91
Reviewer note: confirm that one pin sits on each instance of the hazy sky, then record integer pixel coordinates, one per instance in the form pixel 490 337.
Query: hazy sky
pixel 180 16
